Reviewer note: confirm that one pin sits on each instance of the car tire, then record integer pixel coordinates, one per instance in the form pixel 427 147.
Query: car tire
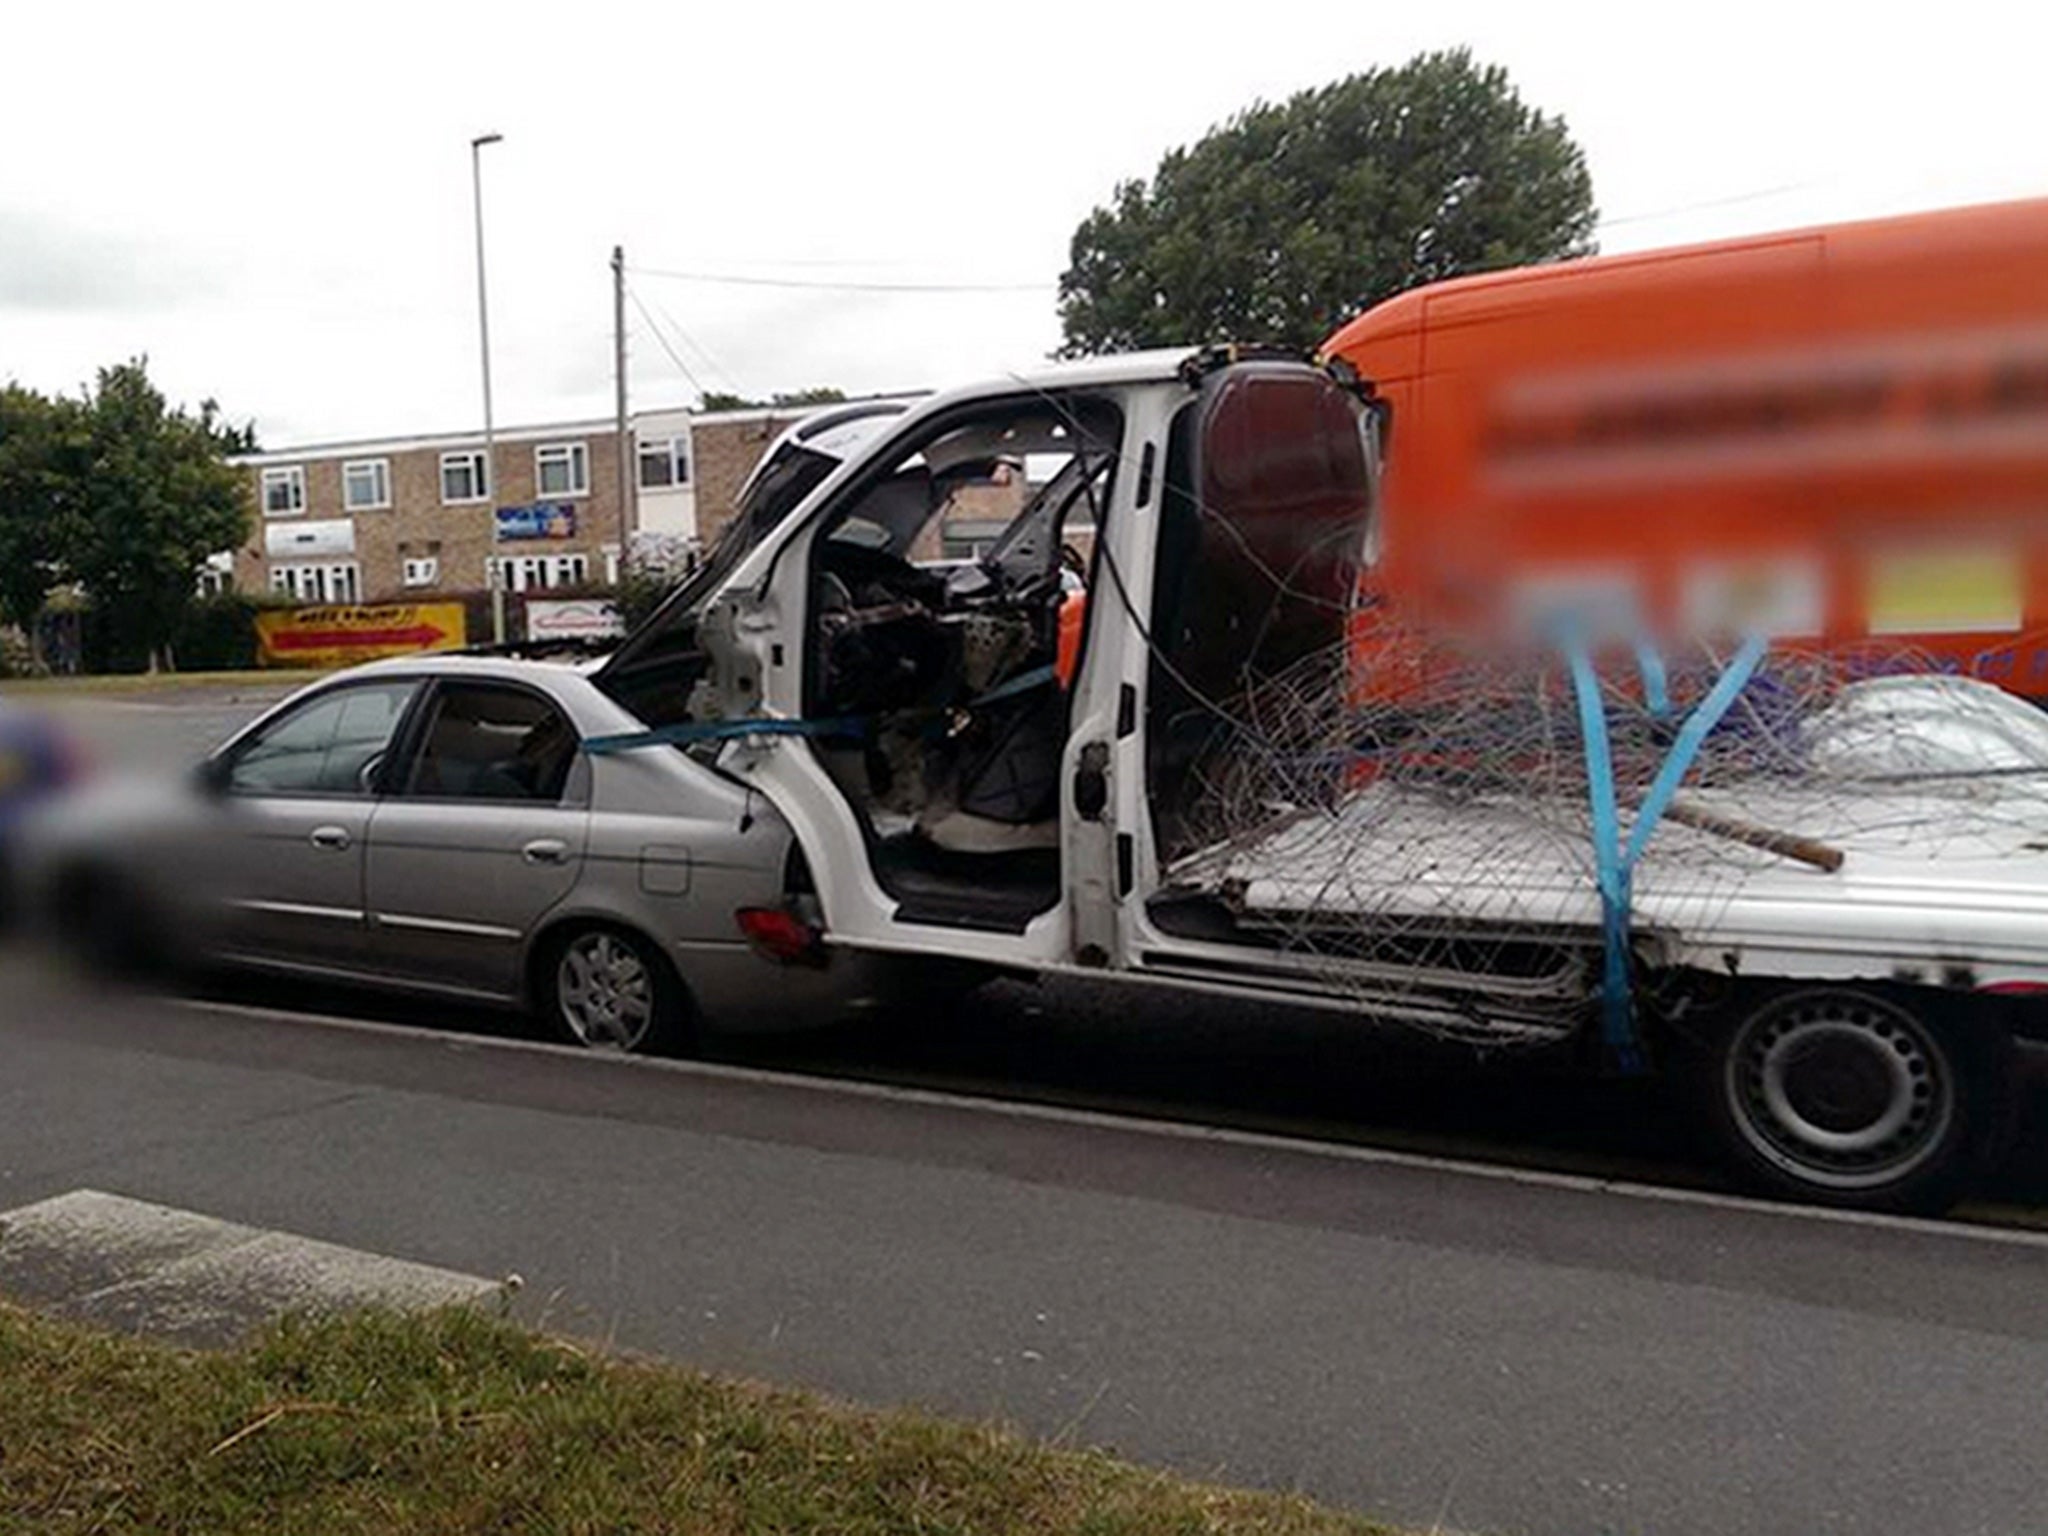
pixel 607 988
pixel 1854 1097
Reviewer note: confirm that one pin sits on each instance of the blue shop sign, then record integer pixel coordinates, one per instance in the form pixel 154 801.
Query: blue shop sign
pixel 541 520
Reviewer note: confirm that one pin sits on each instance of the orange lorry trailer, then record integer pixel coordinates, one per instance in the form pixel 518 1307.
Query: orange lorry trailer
pixel 1837 436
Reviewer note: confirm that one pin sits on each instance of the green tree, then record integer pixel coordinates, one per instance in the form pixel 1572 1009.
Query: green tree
pixel 158 497
pixel 44 447
pixel 1290 219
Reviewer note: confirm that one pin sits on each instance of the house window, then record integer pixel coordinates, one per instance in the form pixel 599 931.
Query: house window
pixel 561 469
pixel 310 583
pixel 284 491
pixel 539 573
pixel 366 485
pixel 664 462
pixel 422 572
pixel 464 477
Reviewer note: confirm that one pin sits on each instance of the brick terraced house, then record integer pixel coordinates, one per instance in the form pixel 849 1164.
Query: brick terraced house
pixel 406 518
pixel 401 518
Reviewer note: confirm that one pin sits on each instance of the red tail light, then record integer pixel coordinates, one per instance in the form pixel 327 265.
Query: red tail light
pixel 782 936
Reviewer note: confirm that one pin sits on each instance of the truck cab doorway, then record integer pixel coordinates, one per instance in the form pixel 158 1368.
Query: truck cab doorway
pixel 939 592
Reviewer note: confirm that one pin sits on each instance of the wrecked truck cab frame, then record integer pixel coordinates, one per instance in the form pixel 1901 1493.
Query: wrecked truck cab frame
pixel 754 638
pixel 1875 970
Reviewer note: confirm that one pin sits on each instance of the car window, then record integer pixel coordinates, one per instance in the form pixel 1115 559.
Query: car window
pixel 488 742
pixel 323 747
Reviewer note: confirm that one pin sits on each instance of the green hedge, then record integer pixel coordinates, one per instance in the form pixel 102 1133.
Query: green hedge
pixel 216 634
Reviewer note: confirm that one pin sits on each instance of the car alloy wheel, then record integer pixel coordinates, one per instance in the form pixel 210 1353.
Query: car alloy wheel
pixel 605 992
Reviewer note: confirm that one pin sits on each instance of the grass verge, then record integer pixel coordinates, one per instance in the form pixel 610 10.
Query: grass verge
pixel 457 1422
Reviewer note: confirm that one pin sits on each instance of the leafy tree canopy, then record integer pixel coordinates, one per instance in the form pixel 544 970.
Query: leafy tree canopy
pixel 1290 219
pixel 45 446
pixel 119 492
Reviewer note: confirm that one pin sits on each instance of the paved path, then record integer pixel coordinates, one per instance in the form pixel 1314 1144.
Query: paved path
pixel 1429 1344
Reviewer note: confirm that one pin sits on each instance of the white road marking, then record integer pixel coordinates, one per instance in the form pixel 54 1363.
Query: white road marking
pixel 1171 1130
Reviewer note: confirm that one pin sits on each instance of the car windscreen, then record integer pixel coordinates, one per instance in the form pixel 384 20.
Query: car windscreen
pixel 790 474
pixel 638 673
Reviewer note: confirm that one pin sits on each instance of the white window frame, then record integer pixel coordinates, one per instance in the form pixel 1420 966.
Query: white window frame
pixel 420 571
pixel 381 468
pixel 538 573
pixel 292 475
pixel 577 456
pixel 479 470
pixel 676 450
pixel 320 582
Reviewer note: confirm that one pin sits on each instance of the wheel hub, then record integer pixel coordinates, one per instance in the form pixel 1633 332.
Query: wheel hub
pixel 1841 1090
pixel 1838 1084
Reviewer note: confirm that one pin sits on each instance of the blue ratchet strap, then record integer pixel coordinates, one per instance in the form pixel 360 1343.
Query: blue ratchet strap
pixel 1610 873
pixel 1023 682
pixel 833 725
pixel 1678 762
pixel 1656 688
pixel 1614 865
pixel 723 730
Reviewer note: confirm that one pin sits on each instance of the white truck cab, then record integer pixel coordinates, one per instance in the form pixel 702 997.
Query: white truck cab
pixel 961 790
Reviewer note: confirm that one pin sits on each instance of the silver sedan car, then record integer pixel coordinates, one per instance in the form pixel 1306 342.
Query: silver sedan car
pixel 454 825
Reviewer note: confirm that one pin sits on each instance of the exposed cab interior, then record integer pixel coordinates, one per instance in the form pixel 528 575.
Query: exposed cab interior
pixel 945 601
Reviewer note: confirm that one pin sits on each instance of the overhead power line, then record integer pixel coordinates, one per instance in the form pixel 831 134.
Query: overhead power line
pixel 696 347
pixel 673 355
pixel 745 280
pixel 1713 202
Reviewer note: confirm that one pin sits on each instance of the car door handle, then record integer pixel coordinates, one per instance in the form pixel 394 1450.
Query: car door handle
pixel 545 850
pixel 334 839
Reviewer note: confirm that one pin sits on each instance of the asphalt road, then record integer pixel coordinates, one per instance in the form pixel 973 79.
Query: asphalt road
pixel 1427 1343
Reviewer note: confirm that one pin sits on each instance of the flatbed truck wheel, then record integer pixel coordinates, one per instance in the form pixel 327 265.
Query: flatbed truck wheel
pixel 1855 1097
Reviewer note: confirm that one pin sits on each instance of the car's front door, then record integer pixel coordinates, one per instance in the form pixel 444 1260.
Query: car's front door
pixel 481 835
pixel 297 794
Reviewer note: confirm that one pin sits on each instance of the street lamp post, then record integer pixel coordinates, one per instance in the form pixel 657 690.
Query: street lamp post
pixel 483 330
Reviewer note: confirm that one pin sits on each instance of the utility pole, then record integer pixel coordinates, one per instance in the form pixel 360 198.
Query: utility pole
pixel 629 510
pixel 483 330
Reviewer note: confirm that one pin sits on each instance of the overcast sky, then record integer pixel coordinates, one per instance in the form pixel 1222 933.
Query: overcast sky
pixel 273 201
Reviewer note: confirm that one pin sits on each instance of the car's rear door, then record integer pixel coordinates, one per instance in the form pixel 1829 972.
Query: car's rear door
pixel 481 835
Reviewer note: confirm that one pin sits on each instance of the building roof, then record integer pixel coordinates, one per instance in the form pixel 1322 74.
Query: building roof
pixel 1128 367
pixel 366 446
pixel 362 447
